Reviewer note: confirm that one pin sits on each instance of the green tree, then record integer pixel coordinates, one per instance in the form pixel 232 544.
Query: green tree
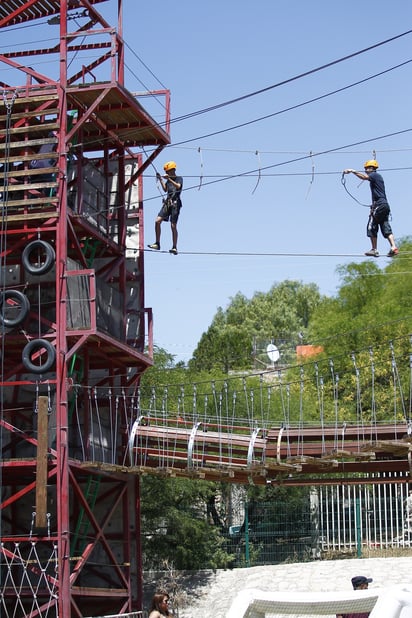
pixel 371 305
pixel 280 314
pixel 177 525
pixel 370 312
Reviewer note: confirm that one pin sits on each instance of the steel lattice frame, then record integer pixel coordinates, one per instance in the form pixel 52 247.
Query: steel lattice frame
pixel 92 516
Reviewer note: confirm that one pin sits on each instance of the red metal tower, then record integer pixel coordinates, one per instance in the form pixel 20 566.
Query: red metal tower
pixel 75 335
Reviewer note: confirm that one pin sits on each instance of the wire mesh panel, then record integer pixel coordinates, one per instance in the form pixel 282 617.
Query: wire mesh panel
pixel 323 522
pixel 274 532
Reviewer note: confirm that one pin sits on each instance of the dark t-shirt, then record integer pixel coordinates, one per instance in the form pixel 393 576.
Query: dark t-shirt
pixel 171 190
pixel 377 187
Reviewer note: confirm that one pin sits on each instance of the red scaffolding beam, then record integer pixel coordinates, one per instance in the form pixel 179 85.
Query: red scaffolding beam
pixel 72 312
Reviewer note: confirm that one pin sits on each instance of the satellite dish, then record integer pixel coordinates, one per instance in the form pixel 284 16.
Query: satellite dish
pixel 272 352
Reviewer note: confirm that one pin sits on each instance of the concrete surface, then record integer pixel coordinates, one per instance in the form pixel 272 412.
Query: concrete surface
pixel 210 594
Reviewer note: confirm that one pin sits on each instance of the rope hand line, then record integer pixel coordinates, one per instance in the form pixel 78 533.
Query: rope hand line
pixel 312 176
pixel 199 150
pixel 259 172
pixel 343 181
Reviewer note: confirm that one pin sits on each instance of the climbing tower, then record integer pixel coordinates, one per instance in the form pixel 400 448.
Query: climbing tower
pixel 75 334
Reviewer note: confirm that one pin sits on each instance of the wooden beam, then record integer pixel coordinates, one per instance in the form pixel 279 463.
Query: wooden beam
pixel 41 463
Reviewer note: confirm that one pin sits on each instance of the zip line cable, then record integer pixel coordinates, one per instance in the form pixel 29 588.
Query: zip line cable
pixel 294 160
pixel 278 84
pixel 281 83
pixel 145 66
pixel 288 109
pixel 252 151
pixel 293 107
pixel 255 254
pixel 291 79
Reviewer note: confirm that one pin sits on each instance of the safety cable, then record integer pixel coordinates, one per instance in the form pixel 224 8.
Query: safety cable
pixel 282 83
pixel 292 79
pixel 282 111
pixel 156 172
pixel 3 245
pixel 343 182
pixel 286 109
pixel 297 159
pixel 290 108
pixel 286 254
pixel 259 172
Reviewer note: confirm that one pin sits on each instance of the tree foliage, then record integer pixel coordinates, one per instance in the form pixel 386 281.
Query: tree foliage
pixel 184 522
pixel 371 313
pixel 180 524
pixel 372 305
pixel 279 315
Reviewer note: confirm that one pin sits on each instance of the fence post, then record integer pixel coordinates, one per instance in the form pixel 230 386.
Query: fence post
pixel 358 529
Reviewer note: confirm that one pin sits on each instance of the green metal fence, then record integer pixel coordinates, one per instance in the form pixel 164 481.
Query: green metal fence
pixel 273 532
pixel 336 520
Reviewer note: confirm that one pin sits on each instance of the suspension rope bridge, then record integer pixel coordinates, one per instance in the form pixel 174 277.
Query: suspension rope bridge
pixel 333 416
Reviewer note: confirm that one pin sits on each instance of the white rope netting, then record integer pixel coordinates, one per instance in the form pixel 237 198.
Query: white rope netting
pixel 29 579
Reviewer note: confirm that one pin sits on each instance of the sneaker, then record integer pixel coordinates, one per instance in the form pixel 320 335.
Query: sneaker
pixel 393 252
pixel 155 246
pixel 173 250
pixel 372 253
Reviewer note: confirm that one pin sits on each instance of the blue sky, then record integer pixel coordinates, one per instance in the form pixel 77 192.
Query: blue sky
pixel 211 52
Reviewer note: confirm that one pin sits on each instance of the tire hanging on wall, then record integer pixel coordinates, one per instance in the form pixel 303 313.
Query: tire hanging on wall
pixel 44 253
pixel 30 349
pixel 18 303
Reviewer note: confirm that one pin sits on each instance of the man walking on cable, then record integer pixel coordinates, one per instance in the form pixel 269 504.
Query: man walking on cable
pixel 380 210
pixel 172 185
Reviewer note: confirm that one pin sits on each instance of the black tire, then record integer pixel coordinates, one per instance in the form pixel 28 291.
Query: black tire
pixel 20 311
pixel 35 345
pixel 44 253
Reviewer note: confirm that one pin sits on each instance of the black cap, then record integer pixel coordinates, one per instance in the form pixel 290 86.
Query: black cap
pixel 359 580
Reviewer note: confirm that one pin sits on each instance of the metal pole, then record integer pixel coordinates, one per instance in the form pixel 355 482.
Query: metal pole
pixel 358 529
pixel 247 554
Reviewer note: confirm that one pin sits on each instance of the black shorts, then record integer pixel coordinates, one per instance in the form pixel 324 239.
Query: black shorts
pixel 379 219
pixel 170 210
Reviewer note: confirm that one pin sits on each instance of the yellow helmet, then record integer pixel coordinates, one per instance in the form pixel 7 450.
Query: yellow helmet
pixel 170 165
pixel 371 163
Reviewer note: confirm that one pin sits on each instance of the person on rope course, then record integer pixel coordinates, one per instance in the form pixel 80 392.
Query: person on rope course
pixel 359 582
pixel 379 210
pixel 172 185
pixel 45 163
